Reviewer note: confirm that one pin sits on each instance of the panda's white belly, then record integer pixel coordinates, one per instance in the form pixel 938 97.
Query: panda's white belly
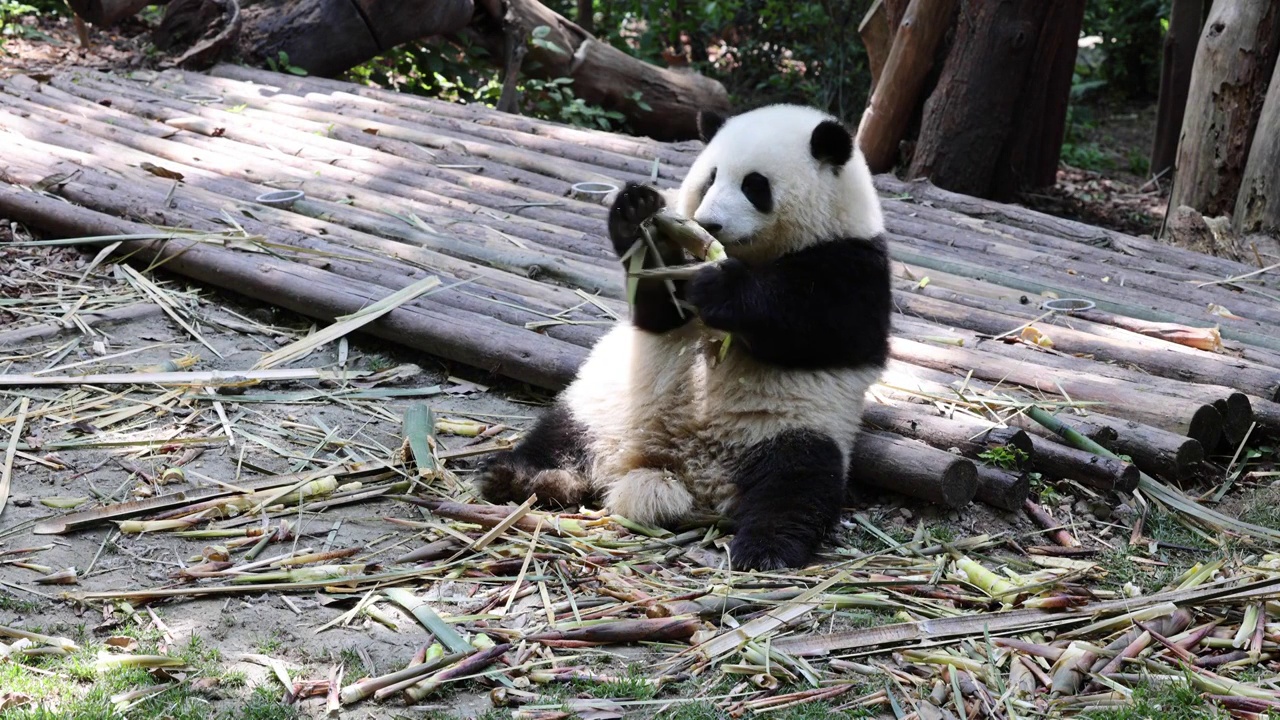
pixel 650 401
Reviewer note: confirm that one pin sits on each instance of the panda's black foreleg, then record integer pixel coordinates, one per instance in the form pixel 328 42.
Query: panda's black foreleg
pixel 790 491
pixel 550 462
pixel 655 308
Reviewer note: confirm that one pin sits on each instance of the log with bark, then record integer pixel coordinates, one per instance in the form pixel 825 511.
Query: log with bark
pixel 1004 489
pixel 894 463
pixel 1196 418
pixel 1086 468
pixel 970 436
pixel 1233 66
pixel 315 293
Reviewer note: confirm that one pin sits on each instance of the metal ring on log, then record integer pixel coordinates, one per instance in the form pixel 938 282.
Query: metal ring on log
pixel 280 198
pixel 1068 305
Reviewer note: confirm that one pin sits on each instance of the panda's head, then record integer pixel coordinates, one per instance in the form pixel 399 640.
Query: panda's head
pixel 777 179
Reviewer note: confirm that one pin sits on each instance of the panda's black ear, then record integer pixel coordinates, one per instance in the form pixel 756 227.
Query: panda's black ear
pixel 831 143
pixel 709 122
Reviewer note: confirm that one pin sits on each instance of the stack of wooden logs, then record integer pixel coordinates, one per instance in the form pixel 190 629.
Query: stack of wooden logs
pixel 398 188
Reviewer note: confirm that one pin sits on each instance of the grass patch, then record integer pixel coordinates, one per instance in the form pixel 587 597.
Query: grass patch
pixel 71 688
pixel 13 603
pixel 1167 701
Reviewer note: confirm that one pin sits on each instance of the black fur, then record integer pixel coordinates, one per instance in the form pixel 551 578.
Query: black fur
pixel 709 123
pixel 556 442
pixel 758 190
pixel 654 309
pixel 826 306
pixel 790 492
pixel 831 143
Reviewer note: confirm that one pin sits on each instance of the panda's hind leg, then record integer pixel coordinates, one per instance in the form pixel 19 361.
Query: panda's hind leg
pixel 789 493
pixel 550 462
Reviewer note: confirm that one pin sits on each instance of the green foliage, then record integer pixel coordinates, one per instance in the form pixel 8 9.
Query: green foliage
pixel 1005 457
pixel 281 64
pixel 1130 32
pixel 12 13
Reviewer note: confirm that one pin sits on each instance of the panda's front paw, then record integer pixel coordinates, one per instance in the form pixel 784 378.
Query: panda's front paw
pixel 716 291
pixel 763 554
pixel 635 204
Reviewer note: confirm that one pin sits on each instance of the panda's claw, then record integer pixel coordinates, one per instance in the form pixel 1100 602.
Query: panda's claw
pixel 635 204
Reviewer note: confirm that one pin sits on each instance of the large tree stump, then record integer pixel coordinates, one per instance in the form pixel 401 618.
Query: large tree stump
pixel 1228 84
pixel 986 129
pixel 1258 204
pixel 1179 56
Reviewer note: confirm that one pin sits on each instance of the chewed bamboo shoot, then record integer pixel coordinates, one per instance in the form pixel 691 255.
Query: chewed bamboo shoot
pixel 689 235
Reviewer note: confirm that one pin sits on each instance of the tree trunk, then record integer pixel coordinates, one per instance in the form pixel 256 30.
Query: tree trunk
pixel 1258 205
pixel 1185 22
pixel 1040 118
pixel 884 123
pixel 586 15
pixel 1228 83
pixel 326 37
pixel 976 138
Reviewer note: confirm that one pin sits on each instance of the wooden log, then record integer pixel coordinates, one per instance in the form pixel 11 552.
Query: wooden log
pixel 100 192
pixel 1258 203
pixel 877 37
pixel 1002 488
pixel 891 462
pixel 1178 56
pixel 482 344
pixel 1088 469
pixel 1084 274
pixel 971 437
pixel 315 234
pixel 896 96
pixel 1194 418
pixel 1106 296
pixel 924 192
pixel 473 117
pixel 1159 452
pixel 1233 65
pixel 1057 533
pixel 1160 359
pixel 323 180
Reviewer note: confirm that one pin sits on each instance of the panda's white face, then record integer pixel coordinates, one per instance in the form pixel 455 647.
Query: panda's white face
pixel 775 179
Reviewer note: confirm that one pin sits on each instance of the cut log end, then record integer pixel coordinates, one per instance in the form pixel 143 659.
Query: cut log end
pixel 1206 426
pixel 1002 489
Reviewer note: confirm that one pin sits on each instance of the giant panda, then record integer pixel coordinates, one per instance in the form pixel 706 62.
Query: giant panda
pixel 657 423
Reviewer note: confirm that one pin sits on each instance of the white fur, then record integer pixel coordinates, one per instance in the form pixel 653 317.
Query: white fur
pixel 652 401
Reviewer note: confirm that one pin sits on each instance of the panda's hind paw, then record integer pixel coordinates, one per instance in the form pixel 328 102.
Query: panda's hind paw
pixel 763 554
pixel 634 205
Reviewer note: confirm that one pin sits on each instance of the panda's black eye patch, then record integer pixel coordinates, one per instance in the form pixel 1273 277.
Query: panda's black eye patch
pixel 756 187
pixel 710 181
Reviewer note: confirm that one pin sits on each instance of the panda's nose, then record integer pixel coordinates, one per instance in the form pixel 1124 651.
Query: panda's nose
pixel 712 228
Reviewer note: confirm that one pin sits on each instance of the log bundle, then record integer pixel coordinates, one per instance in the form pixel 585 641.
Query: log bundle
pixel 1177 362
